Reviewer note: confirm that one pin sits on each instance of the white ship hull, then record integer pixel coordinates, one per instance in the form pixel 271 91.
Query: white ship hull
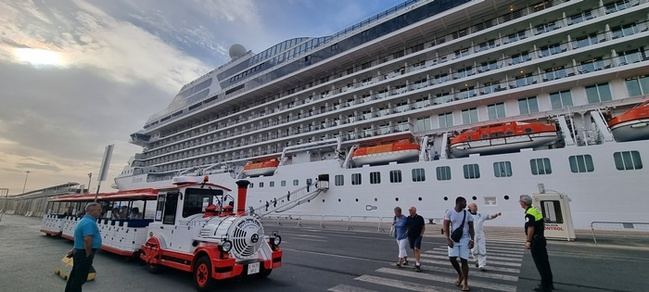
pixel 600 195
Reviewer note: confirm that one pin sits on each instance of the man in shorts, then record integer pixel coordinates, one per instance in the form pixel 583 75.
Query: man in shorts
pixel 456 218
pixel 416 227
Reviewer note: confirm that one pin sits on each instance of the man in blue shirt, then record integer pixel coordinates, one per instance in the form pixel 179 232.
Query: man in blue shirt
pixel 86 242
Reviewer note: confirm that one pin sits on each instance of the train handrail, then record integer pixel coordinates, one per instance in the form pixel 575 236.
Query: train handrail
pixel 625 225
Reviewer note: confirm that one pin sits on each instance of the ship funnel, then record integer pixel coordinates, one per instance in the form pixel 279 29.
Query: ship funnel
pixel 242 193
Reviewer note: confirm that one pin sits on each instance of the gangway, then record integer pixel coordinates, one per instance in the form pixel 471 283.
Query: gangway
pixel 292 199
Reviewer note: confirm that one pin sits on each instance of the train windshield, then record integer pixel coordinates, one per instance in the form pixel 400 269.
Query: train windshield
pixel 197 200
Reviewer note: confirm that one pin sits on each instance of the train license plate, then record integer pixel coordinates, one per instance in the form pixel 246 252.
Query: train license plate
pixel 253 268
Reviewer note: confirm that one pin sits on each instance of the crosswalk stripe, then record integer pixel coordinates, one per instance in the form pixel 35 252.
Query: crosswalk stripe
pixel 506 244
pixel 512 249
pixel 473 273
pixel 490 268
pixel 443 279
pixel 491 251
pixel 445 257
pixel 348 288
pixel 402 284
pixel 490 256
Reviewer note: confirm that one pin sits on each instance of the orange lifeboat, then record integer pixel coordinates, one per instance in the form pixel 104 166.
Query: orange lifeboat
pixel 264 167
pixel 503 137
pixel 631 125
pixel 401 150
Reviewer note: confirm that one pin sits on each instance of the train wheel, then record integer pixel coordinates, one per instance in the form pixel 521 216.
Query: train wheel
pixel 264 273
pixel 203 273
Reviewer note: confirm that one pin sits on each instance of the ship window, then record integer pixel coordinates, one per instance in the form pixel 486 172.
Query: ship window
pixel 598 93
pixel 528 105
pixel 375 177
pixel 443 173
pixel 638 86
pixel 471 171
pixel 418 175
pixel 503 169
pixel 283 183
pixel 581 163
pixel 627 160
pixel 540 166
pixel 356 178
pixel 261 184
pixel 339 180
pixel 496 111
pixel 271 184
pixel 296 182
pixel 251 185
pixel 561 99
pixel 395 176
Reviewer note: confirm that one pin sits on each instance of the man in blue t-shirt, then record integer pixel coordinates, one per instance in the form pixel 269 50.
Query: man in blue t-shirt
pixel 86 242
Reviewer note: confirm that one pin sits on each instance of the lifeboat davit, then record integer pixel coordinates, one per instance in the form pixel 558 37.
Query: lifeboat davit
pixel 631 125
pixel 265 167
pixel 401 150
pixel 503 137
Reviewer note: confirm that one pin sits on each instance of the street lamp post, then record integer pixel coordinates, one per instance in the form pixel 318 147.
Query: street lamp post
pixel 4 208
pixel 25 184
pixel 89 180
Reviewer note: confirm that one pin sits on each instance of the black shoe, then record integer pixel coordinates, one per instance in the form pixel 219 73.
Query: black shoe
pixel 405 262
pixel 418 268
pixel 544 288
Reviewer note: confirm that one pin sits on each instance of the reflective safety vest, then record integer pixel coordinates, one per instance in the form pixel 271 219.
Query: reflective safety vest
pixel 539 225
pixel 534 212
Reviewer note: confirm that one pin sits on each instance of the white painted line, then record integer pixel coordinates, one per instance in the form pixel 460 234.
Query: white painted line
pixel 310 236
pixel 492 252
pixel 511 249
pixel 348 288
pixel 472 273
pixel 332 255
pixel 489 256
pixel 308 239
pixel 490 268
pixel 402 284
pixel 445 257
pixel 449 280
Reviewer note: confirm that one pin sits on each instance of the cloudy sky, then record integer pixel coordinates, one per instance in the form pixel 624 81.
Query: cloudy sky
pixel 77 75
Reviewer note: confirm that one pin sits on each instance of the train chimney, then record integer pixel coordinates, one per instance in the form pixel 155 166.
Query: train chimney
pixel 242 192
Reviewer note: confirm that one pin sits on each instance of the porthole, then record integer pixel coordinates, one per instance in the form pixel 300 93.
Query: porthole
pixel 474 198
pixel 506 197
pixel 356 199
pixel 419 199
pixel 323 200
pixel 376 199
pixel 445 198
pixel 339 200
pixel 396 199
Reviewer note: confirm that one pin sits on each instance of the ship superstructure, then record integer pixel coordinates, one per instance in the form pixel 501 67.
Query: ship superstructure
pixel 421 103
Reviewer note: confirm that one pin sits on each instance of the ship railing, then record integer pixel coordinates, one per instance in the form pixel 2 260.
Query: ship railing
pixel 380 224
pixel 640 228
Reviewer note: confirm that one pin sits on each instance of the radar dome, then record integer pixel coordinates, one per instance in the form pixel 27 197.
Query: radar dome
pixel 237 51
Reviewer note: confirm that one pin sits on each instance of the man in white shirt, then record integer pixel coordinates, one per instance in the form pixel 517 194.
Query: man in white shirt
pixel 460 243
pixel 479 251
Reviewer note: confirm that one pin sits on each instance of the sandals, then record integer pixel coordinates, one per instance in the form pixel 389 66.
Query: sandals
pixel 466 288
pixel 399 265
pixel 458 283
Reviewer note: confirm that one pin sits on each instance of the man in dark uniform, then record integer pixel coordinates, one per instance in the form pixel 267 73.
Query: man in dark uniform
pixel 534 230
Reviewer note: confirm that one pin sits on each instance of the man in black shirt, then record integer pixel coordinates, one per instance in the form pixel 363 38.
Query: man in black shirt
pixel 416 227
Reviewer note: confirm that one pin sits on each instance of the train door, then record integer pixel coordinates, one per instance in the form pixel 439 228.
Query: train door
pixel 165 217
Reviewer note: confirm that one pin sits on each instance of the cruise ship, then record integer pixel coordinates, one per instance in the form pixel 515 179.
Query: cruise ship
pixel 426 101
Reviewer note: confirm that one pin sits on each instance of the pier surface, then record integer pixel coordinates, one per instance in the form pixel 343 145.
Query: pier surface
pixel 338 259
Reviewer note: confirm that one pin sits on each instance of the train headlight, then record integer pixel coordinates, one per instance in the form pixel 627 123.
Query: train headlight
pixel 226 246
pixel 277 240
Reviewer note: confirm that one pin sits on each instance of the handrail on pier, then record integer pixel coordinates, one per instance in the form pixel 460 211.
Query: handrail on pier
pixel 625 226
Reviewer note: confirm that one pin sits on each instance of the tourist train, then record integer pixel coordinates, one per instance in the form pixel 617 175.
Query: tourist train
pixel 422 103
pixel 189 225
